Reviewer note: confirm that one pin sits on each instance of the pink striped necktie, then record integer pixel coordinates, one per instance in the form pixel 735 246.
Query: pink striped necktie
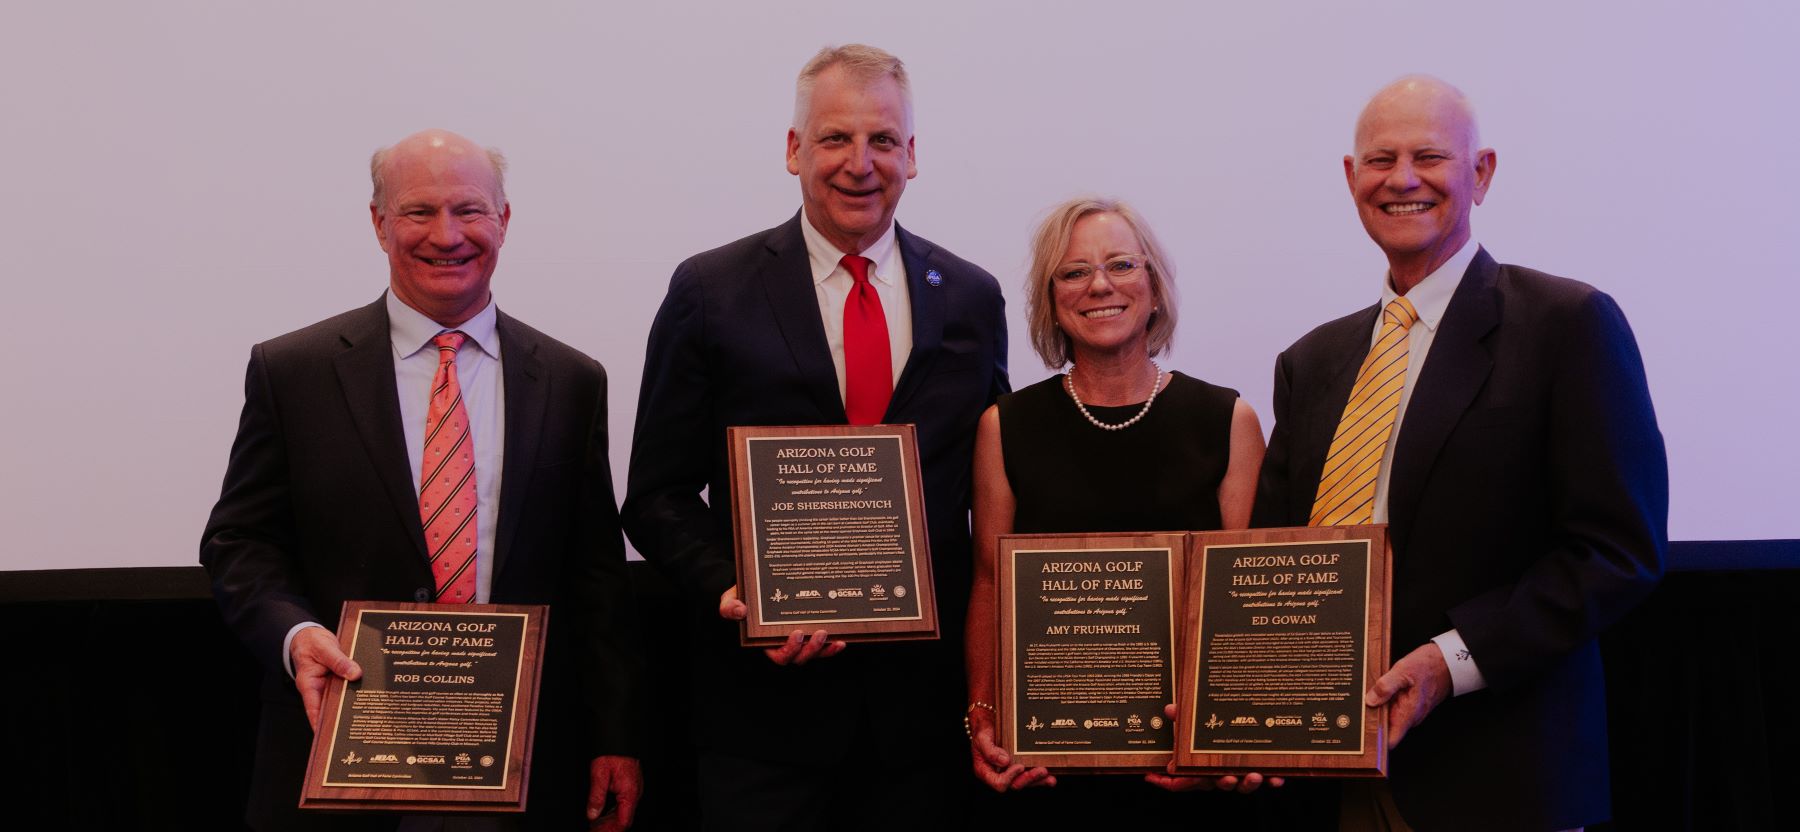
pixel 447 481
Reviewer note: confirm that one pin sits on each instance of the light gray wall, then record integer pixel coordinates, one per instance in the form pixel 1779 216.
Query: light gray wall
pixel 188 178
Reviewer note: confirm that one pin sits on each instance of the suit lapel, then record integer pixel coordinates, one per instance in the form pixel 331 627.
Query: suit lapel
pixel 1347 350
pixel 927 317
pixel 365 371
pixel 1455 370
pixel 527 382
pixel 786 276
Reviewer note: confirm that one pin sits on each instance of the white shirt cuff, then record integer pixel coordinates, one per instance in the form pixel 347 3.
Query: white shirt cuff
pixel 287 645
pixel 1465 675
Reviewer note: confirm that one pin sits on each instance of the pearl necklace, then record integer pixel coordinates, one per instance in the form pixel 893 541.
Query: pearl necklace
pixel 1155 383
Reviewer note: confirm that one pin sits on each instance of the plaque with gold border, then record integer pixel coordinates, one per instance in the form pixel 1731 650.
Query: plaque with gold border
pixel 442 719
pixel 1087 649
pixel 830 533
pixel 1284 630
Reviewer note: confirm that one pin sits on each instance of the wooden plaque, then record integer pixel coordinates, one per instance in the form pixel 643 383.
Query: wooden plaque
pixel 830 533
pixel 1087 648
pixel 441 720
pixel 1284 630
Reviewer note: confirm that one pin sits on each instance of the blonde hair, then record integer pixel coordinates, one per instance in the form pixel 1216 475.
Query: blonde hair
pixel 1051 242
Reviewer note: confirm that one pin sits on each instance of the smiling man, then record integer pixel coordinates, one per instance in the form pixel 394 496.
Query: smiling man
pixel 837 315
pixel 323 502
pixel 1498 420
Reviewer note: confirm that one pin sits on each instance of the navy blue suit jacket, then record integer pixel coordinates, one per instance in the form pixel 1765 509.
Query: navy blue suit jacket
pixel 318 507
pixel 1528 508
pixel 739 341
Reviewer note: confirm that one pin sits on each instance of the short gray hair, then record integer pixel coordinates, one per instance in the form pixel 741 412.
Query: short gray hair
pixel 862 62
pixel 378 161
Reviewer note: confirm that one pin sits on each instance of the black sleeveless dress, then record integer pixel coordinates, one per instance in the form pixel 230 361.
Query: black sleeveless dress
pixel 1160 474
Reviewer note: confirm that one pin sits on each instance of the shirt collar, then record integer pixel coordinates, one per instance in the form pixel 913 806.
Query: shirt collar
pixel 824 256
pixel 411 331
pixel 1432 295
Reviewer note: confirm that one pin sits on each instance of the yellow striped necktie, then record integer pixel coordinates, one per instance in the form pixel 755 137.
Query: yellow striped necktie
pixel 1347 487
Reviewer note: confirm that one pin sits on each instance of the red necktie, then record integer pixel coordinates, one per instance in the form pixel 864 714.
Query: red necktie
pixel 447 481
pixel 868 366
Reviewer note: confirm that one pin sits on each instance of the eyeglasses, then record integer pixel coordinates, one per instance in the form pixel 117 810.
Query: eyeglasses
pixel 1126 268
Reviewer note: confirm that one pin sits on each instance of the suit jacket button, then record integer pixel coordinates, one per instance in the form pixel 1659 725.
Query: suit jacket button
pixel 422 595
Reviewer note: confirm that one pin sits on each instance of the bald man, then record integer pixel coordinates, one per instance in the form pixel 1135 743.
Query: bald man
pixel 1514 454
pixel 321 502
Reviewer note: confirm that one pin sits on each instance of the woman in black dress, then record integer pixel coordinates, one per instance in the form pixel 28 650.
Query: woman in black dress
pixel 1114 443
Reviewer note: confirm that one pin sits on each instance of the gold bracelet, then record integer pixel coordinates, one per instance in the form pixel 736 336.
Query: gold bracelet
pixel 969 730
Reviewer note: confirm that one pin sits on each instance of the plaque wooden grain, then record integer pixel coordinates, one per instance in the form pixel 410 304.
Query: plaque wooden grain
pixel 763 625
pixel 508 798
pixel 1369 758
pixel 1008 710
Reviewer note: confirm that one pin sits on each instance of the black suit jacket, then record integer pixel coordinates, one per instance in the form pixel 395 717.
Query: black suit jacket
pixel 739 341
pixel 1528 507
pixel 319 507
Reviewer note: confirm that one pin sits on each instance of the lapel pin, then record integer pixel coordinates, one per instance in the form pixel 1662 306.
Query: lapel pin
pixel 932 277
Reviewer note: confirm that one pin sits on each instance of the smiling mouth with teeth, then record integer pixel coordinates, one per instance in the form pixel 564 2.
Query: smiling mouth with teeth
pixel 446 262
pixel 1108 312
pixel 1400 209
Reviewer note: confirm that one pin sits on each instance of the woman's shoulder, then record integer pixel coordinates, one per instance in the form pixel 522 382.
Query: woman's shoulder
pixel 1048 388
pixel 1188 386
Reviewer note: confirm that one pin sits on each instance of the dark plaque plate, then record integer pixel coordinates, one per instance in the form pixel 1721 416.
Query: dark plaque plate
pixel 1087 653
pixel 830 533
pixel 1285 630
pixel 441 719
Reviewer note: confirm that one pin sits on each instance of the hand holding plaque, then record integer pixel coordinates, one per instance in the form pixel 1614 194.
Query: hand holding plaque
pixel 316 659
pixel 830 536
pixel 799 648
pixel 441 720
pixel 1272 634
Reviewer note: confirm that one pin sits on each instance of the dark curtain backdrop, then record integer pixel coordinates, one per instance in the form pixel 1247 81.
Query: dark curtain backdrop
pixel 126 704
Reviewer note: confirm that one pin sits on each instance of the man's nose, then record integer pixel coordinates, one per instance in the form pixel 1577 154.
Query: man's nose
pixel 861 160
pixel 446 231
pixel 1403 177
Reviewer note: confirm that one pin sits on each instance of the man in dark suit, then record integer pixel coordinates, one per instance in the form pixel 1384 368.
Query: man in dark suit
pixel 1522 476
pixel 321 501
pixel 761 332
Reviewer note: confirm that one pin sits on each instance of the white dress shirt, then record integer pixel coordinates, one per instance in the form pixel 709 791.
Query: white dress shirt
pixel 478 374
pixel 1430 298
pixel 832 284
pixel 483 391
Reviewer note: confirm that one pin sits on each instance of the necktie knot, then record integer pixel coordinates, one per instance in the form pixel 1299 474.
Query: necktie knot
pixel 447 345
pixel 1400 313
pixel 858 267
